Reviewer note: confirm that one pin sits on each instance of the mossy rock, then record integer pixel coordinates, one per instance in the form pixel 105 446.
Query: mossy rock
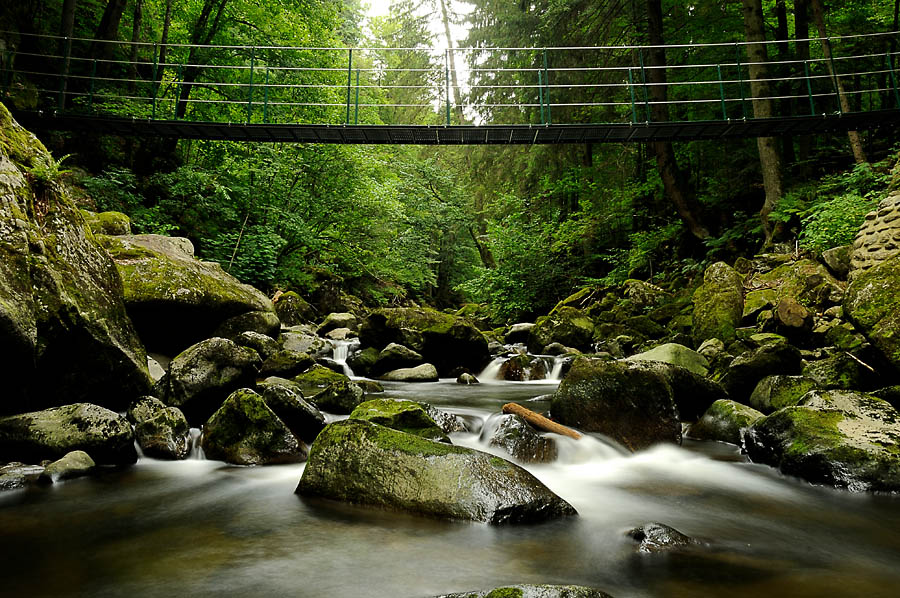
pixel 840 371
pixel 286 363
pixel 72 465
pixel 284 397
pixel 581 299
pixel 400 414
pixel 263 344
pixel 718 304
pixel 774 392
pixel 107 223
pixel 293 310
pixel 164 434
pixel 533 591
pixel 421 373
pixel 675 354
pixel 245 431
pixel 262 322
pixel 340 397
pixel 872 304
pixel 523 367
pixel 839 438
pixel 807 281
pixel 316 378
pixel 361 362
pixel 367 464
pixel 747 369
pixel 515 436
pixel 392 357
pixel 566 325
pixel 724 421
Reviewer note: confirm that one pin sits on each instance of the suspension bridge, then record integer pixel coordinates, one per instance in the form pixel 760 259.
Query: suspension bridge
pixel 452 96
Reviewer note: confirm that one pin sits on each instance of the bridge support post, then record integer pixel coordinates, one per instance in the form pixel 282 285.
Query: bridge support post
pixel 250 91
pixel 722 92
pixel 266 98
pixel 644 83
pixel 631 88
pixel 155 84
pixel 349 80
pixel 812 104
pixel 547 88
pixel 64 74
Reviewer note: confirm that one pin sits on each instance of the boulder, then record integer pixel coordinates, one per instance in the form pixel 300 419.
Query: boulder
pixel 262 322
pixel 338 320
pixel 72 465
pixel 293 310
pixel 50 434
pixel 658 537
pixel 806 281
pixel 627 401
pixel 422 373
pixel 839 371
pixel 107 223
pixel 244 431
pixel 643 295
pixel 369 386
pixel 840 438
pixel 872 304
pixel 466 378
pixel 400 414
pixel 364 463
pixel 284 397
pixel 263 344
pixel 286 363
pixel 361 362
pixel 394 357
pixel 444 340
pixel 302 340
pixel 724 421
pixel 533 591
pixel 16 475
pixel 747 369
pixel 340 334
pixel 718 304
pixel 64 330
pixel 340 397
pixel 793 320
pixel 676 355
pixel 161 432
pixel 837 260
pixel 566 325
pixel 316 378
pixel 692 393
pixel 174 299
pixel 515 436
pixel 523 367
pixel 202 376
pixel 774 392
pixel 518 333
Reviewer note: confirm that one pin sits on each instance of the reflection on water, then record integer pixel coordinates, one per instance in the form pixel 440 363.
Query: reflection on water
pixel 202 528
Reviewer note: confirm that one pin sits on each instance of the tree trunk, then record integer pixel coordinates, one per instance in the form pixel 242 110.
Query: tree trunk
pixel 202 35
pixel 66 29
pixel 107 32
pixel 784 54
pixel 769 158
pixel 135 38
pixel 855 142
pixel 164 40
pixel 457 96
pixel 672 177
pixel 801 32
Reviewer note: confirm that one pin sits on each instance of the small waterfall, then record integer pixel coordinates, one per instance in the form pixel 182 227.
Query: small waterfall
pixel 340 352
pixel 490 373
pixel 196 449
pixel 556 370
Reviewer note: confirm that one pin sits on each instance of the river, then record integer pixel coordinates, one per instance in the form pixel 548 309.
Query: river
pixel 204 528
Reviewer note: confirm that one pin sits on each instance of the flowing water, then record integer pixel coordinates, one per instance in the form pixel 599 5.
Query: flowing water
pixel 203 528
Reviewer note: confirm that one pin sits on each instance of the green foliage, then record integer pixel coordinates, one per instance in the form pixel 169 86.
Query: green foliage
pixel 45 172
pixel 834 223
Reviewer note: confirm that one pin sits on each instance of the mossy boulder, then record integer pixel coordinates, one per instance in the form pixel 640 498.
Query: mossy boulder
pixel 806 281
pixel 263 344
pixel 367 464
pixel 444 340
pixel 361 362
pixel 337 320
pixel 837 259
pixel 284 397
pixel 107 223
pixel 518 333
pixel 161 432
pixel 566 325
pixel 718 304
pixel 532 591
pixel 842 371
pixel 400 414
pixel 245 431
pixel 65 334
pixel 263 322
pixel 316 378
pixel 293 310
pixel 675 354
pixel 421 373
pixel 72 465
pixel 340 397
pixel 286 364
pixel 628 401
pixel 774 392
pixel 747 369
pixel 393 357
pixel 51 433
pixel 724 421
pixel 515 436
pixel 872 304
pixel 835 437
pixel 658 537
pixel 173 298
pixel 523 367
pixel 304 340
pixel 202 376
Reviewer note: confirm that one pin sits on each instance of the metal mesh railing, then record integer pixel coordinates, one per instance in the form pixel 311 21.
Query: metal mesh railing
pixel 415 86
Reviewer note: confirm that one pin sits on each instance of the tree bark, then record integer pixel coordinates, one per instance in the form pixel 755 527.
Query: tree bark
pixel 135 38
pixel 672 177
pixel 164 40
pixel 784 54
pixel 108 31
pixel 855 141
pixel 801 32
pixel 539 421
pixel 769 158
pixel 202 35
pixel 457 96
pixel 66 29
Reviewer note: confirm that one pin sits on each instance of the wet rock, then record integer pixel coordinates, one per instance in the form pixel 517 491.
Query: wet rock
pixel 202 376
pixel 523 367
pixel 370 386
pixel 793 320
pixel 64 330
pixel 284 397
pixel 245 431
pixel 891 394
pixel 339 334
pixel 293 310
pixel 263 344
pixel 872 304
pixel 658 537
pixel 774 392
pixel 361 362
pixel 518 333
pixel 50 434
pixel 400 414
pixel 422 373
pixel 628 401
pixel 394 357
pixel 466 378
pixel 838 261
pixel 676 355
pixel 107 223
pixel 174 299
pixel 301 340
pixel 317 378
pixel 364 463
pixel 161 432
pixel 262 322
pixel 718 304
pixel 16 475
pixel 448 422
pixel 556 349
pixel 724 421
pixel 565 325
pixel 747 369
pixel 72 465
pixel 340 397
pixel 338 320
pixel 834 437
pixel 533 591
pixel 838 371
pixel 286 363
pixel 515 436
pixel 805 281
pixel 444 340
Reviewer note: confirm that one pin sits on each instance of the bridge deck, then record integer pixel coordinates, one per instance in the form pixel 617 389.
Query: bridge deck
pixel 462 134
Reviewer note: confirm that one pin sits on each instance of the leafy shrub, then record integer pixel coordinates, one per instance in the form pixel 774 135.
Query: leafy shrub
pixel 834 223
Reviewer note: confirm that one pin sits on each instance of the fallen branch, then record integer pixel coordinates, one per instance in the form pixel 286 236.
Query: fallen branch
pixel 539 421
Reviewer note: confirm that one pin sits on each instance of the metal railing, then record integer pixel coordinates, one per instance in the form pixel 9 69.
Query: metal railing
pixel 415 86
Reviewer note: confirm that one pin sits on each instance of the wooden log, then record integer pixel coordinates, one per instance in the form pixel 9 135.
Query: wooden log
pixel 539 421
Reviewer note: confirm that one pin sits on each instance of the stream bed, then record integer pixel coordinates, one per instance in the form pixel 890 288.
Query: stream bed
pixel 205 528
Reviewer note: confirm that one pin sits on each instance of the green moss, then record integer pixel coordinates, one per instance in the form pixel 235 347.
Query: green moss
pixel 352 431
pixel 505 593
pixel 318 377
pixel 812 429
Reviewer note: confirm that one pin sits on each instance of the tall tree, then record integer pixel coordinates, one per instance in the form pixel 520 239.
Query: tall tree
pixel 66 28
pixel 108 31
pixel 855 141
pixel 763 107
pixel 672 177
pixel 801 33
pixel 451 57
pixel 136 22
pixel 202 34
pixel 164 41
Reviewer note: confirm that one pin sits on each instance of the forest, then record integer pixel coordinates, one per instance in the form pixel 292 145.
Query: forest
pixel 512 228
